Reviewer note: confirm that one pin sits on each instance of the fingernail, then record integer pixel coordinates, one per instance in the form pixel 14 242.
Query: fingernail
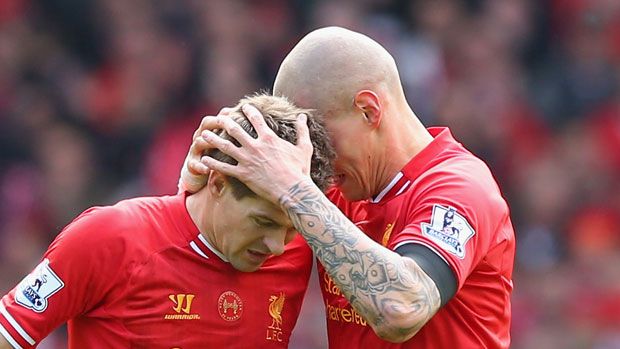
pixel 303 117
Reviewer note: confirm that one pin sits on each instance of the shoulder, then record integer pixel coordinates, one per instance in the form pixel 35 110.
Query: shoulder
pixel 461 176
pixel 111 228
pixel 459 193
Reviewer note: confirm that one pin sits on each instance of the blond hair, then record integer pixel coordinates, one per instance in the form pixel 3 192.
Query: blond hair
pixel 281 116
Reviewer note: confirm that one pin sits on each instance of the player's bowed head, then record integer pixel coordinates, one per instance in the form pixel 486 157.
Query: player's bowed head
pixel 244 225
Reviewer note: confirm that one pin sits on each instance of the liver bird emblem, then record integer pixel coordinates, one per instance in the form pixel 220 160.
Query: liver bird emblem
pixel 276 303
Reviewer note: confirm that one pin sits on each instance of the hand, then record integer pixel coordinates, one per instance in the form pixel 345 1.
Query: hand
pixel 194 173
pixel 268 164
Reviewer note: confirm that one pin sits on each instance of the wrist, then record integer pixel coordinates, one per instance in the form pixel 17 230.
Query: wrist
pixel 298 193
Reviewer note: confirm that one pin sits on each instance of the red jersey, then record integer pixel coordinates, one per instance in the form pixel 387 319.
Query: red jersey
pixel 139 275
pixel 446 199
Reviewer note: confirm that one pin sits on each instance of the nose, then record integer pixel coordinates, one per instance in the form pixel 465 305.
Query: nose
pixel 275 242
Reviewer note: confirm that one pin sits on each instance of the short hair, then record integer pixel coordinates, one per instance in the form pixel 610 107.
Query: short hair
pixel 281 116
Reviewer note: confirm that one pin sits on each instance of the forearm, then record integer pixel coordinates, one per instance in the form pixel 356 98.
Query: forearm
pixel 390 291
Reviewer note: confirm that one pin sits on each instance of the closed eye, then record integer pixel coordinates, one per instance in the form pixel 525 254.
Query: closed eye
pixel 265 223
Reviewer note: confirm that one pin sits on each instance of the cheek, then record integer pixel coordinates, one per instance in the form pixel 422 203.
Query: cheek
pixel 343 152
pixel 243 237
pixel 348 160
pixel 349 149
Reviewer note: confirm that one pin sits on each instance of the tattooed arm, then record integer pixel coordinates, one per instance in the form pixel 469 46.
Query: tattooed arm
pixel 390 291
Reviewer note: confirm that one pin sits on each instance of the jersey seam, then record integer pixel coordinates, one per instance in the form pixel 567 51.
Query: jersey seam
pixel 484 259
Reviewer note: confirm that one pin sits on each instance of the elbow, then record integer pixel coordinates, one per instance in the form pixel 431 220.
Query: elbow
pixel 394 334
pixel 398 328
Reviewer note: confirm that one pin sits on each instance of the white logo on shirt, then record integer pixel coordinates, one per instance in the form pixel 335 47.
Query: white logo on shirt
pixel 449 230
pixel 36 288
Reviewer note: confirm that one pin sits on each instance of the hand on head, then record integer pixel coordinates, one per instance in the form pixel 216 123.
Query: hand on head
pixel 194 173
pixel 266 142
pixel 263 158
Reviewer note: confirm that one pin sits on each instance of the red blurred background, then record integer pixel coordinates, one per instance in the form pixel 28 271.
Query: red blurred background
pixel 99 98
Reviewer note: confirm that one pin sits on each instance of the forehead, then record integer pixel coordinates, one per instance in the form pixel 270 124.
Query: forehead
pixel 257 206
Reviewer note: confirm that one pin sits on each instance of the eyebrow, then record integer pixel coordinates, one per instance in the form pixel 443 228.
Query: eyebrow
pixel 269 218
pixel 265 217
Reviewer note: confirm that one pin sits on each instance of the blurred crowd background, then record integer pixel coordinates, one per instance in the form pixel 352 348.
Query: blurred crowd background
pixel 99 99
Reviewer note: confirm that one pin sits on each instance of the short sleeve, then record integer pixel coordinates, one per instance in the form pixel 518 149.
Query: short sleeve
pixel 451 220
pixel 73 276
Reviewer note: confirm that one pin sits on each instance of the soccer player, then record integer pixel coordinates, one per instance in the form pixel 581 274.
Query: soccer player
pixel 217 269
pixel 415 240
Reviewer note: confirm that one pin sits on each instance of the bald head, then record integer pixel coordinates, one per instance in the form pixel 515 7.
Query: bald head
pixel 330 65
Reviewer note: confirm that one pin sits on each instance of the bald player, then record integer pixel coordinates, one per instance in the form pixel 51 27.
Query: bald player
pixel 415 241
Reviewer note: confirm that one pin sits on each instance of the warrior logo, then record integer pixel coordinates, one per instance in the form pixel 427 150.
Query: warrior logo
pixel 449 230
pixel 182 307
pixel 37 287
pixel 178 300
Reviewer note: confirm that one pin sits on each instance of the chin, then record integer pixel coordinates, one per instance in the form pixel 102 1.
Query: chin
pixel 352 195
pixel 245 268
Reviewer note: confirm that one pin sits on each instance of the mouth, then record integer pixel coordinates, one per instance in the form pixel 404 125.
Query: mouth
pixel 257 256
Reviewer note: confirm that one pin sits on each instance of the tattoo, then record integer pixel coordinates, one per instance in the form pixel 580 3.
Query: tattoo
pixel 376 281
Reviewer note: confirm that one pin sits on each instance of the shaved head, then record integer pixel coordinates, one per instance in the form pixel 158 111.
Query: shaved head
pixel 330 65
pixel 353 82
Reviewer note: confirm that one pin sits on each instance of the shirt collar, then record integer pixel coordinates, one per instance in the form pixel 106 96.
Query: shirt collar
pixel 201 244
pixel 420 163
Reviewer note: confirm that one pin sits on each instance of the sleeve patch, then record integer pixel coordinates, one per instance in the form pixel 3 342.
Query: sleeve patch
pixel 34 290
pixel 449 229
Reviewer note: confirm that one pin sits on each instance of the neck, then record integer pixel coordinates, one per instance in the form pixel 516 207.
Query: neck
pixel 197 206
pixel 403 138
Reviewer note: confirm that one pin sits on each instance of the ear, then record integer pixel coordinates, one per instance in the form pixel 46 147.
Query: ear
pixel 368 102
pixel 217 183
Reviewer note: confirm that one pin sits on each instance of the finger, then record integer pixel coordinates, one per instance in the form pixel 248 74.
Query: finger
pixel 207 123
pixel 303 133
pixel 225 111
pixel 233 129
pixel 198 147
pixel 207 120
pixel 222 167
pixel 196 167
pixel 193 176
pixel 256 119
pixel 225 146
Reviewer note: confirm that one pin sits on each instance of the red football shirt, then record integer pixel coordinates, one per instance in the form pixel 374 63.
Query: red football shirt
pixel 139 275
pixel 446 199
